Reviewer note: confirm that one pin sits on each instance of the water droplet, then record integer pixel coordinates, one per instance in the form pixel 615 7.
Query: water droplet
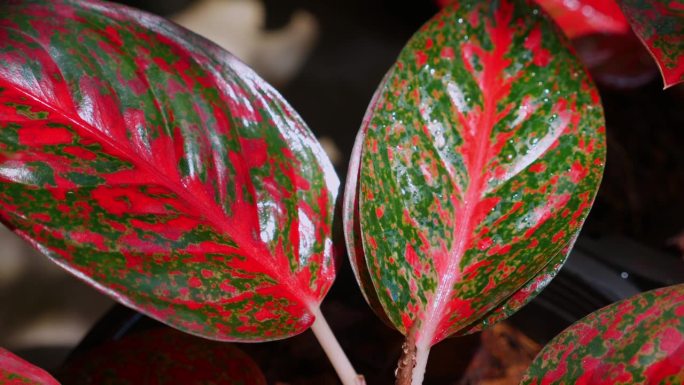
pixel 624 275
pixel 535 11
pixel 460 20
pixel 509 157
pixel 545 100
pixel 534 141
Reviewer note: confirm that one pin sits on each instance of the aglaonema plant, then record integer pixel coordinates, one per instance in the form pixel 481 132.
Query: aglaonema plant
pixel 586 17
pixel 160 169
pixel 15 371
pixel 659 24
pixel 636 341
pixel 476 165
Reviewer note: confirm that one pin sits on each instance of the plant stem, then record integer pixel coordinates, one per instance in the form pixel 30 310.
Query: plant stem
pixel 334 351
pixel 422 353
pixel 413 360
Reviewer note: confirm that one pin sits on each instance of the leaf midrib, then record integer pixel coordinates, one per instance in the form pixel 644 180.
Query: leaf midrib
pixel 216 220
pixel 436 306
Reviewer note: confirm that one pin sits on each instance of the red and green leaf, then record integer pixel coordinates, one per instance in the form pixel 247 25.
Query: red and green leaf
pixel 584 17
pixel 160 169
pixel 478 162
pixel 15 371
pixel 636 341
pixel 163 356
pixel 525 294
pixel 660 26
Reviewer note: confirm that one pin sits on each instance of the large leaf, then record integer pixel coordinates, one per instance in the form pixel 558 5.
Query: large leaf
pixel 15 371
pixel 478 161
pixel 157 167
pixel 636 341
pixel 660 26
pixel 583 17
pixel 163 356
pixel 504 309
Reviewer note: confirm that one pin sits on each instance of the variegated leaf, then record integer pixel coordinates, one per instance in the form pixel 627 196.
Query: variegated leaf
pixel 636 341
pixel 503 310
pixel 163 357
pixel 15 371
pixel 477 164
pixel 157 167
pixel 660 26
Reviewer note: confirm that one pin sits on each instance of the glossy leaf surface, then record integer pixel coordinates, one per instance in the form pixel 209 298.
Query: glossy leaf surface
pixel 584 17
pixel 353 236
pixel 15 371
pixel 636 341
pixel 477 164
pixel 163 356
pixel 660 26
pixel 157 167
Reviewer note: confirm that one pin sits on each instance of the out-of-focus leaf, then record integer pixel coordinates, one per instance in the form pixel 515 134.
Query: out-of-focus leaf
pixel 660 26
pixel 163 357
pixel 475 167
pixel 636 341
pixel 584 17
pixel 160 169
pixel 616 61
pixel 15 371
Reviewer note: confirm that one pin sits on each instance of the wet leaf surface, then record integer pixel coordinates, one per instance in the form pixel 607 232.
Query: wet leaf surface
pixel 477 163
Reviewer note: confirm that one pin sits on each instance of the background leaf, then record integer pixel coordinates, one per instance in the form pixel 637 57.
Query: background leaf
pixel 15 371
pixel 157 167
pixel 636 341
pixel 163 356
pixel 584 17
pixel 481 156
pixel 660 26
